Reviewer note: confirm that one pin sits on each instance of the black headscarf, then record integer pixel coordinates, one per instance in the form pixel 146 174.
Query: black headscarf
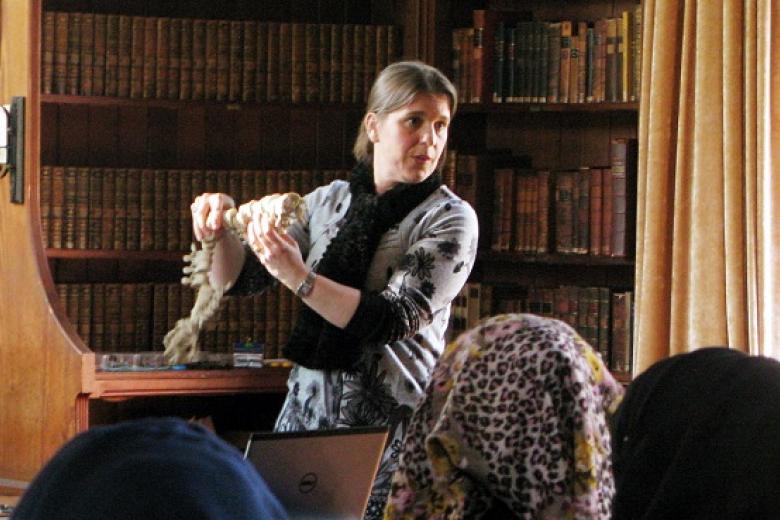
pixel 315 343
pixel 698 437
pixel 155 469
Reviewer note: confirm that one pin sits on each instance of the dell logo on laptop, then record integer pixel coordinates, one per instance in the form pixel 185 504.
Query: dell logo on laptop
pixel 307 483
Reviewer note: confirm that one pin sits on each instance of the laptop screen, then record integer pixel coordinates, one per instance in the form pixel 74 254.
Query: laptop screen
pixel 320 473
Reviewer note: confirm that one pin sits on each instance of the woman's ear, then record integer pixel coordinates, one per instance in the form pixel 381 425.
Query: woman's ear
pixel 371 123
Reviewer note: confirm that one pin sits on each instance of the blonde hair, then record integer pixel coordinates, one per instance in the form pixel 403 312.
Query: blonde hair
pixel 395 87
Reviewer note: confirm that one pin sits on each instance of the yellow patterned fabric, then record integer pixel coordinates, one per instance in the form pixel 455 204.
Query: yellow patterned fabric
pixel 515 416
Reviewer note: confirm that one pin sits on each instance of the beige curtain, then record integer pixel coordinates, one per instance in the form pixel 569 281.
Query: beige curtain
pixel 707 228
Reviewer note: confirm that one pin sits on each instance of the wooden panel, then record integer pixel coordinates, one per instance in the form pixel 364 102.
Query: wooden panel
pixel 161 148
pixel 248 138
pixel 40 365
pixel 303 138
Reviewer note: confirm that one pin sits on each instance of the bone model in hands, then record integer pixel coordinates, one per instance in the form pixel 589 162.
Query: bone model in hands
pixel 181 342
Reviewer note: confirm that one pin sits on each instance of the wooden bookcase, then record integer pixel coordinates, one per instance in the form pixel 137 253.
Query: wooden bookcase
pixel 51 388
pixel 553 136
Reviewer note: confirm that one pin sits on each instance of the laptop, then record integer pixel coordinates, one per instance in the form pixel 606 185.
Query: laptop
pixel 319 474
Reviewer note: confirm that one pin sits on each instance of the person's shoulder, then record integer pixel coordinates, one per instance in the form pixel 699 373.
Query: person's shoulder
pixel 445 201
pixel 333 192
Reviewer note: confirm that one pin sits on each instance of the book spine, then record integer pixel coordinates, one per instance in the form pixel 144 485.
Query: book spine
pixel 198 81
pixel 211 59
pixel 45 194
pixel 146 231
pixel 323 67
pixel 162 54
pixel 235 75
pixel 174 58
pixel 298 62
pixel 358 52
pixel 95 209
pixel 107 200
pixel 86 54
pixel 149 58
pixel 47 52
pixel 595 180
pixel 186 57
pixel 74 54
pixel 60 70
pixel 69 208
pixel 273 64
pixel 249 62
pixel 223 75
pixel 133 210
pixel 120 209
pixel 347 52
pixel 564 71
pixel 99 58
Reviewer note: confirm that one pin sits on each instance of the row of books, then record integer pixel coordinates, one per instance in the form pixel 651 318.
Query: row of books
pixel 507 57
pixel 134 317
pixel 144 209
pixel 602 317
pixel 590 210
pixel 94 54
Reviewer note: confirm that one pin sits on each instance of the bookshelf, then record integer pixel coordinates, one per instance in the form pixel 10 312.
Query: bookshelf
pixel 514 136
pixel 143 120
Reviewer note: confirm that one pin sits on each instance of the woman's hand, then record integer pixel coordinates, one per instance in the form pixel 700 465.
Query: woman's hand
pixel 276 250
pixel 207 212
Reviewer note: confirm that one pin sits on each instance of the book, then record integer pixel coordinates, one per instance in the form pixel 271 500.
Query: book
pixel 162 55
pixel 47 52
pixel 582 240
pixel 112 55
pixel 236 62
pixel 224 60
pixel 136 58
pixel 174 58
pixel 95 209
pixel 120 209
pixel 565 189
pixel 133 210
pixel 45 195
pixel 622 325
pixel 186 57
pixel 86 53
pixel 60 57
pixel 69 208
pixel 107 202
pixel 149 58
pixel 298 62
pixel 595 220
pixel 623 163
pixel 249 61
pixel 198 79
pixel 99 55
pixel 146 202
pixel 564 69
pixel 73 69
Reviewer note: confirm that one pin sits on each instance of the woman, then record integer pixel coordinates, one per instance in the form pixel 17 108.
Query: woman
pixel 152 469
pixel 377 261
pixel 697 438
pixel 514 425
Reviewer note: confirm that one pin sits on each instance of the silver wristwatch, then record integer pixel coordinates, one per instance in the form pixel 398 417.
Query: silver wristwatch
pixel 306 286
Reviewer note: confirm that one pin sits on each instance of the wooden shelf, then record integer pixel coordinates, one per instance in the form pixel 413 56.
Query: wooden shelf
pixel 185 104
pixel 552 259
pixel 120 385
pixel 504 108
pixel 111 254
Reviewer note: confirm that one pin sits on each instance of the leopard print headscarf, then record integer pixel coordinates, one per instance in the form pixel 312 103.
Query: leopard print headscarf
pixel 515 417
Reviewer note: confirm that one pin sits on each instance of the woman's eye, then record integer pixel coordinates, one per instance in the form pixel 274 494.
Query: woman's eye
pixel 440 126
pixel 414 121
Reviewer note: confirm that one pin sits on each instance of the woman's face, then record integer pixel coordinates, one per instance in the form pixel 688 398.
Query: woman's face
pixel 409 141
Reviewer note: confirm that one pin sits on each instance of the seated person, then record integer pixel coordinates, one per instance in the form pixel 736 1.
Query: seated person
pixel 696 438
pixel 515 419
pixel 148 469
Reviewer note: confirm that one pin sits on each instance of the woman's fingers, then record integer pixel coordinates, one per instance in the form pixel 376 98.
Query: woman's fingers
pixel 207 210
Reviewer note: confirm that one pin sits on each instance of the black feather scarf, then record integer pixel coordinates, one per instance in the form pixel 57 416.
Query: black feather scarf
pixel 315 343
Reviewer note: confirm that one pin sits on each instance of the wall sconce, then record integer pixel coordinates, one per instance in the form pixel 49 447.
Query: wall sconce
pixel 12 146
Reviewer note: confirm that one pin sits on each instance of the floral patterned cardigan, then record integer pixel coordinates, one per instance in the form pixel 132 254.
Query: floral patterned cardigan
pixel 425 260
